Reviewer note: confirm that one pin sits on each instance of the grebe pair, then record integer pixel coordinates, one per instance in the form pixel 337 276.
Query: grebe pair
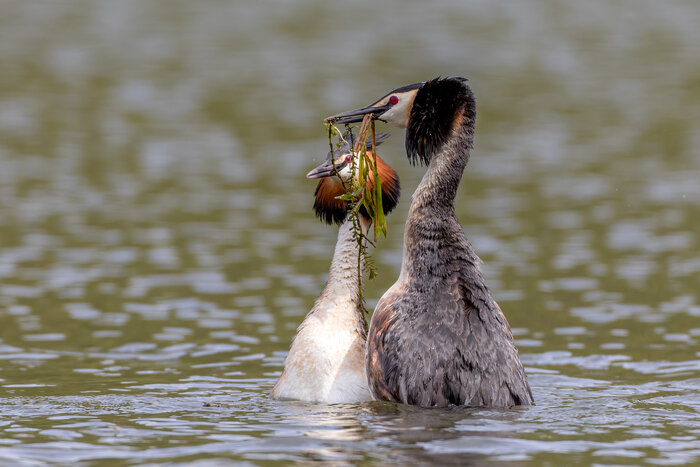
pixel 437 337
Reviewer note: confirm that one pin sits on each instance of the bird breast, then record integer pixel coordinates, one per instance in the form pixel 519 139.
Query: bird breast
pixel 326 360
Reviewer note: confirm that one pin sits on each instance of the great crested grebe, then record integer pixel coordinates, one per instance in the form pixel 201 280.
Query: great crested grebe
pixel 437 337
pixel 326 362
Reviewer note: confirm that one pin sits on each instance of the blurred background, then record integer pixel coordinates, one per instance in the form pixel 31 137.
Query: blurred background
pixel 158 246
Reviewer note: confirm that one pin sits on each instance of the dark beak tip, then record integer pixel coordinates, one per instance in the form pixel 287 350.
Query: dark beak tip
pixel 357 115
pixel 320 172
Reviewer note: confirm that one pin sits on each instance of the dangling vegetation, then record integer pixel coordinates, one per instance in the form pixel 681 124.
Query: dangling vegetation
pixel 363 189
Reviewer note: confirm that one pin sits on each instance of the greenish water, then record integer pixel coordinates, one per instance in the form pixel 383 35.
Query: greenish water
pixel 158 247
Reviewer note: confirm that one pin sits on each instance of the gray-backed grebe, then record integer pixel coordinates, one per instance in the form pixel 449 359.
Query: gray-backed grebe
pixel 437 337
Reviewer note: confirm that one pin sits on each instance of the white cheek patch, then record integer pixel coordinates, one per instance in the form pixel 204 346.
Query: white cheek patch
pixel 398 114
pixel 345 173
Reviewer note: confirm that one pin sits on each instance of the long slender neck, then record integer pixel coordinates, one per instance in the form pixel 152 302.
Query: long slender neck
pixel 438 188
pixel 343 280
pixel 433 235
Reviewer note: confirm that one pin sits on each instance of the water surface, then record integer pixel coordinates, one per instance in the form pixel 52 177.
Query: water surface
pixel 158 247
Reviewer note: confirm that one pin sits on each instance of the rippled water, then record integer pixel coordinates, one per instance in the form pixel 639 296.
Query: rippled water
pixel 158 249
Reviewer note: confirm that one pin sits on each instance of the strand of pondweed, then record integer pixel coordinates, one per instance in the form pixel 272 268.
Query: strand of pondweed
pixel 380 220
pixel 354 198
pixel 349 188
pixel 371 193
pixel 358 192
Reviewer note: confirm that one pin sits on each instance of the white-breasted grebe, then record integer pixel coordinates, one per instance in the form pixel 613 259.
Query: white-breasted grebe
pixel 326 361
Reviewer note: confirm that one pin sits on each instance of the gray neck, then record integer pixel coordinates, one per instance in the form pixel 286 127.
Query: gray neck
pixel 438 188
pixel 434 243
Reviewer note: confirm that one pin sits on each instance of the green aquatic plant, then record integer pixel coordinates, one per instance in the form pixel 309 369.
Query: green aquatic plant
pixel 362 189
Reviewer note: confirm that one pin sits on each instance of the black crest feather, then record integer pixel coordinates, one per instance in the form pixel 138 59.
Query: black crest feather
pixel 436 106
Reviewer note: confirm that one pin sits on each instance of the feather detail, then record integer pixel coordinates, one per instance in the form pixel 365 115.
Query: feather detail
pixel 329 209
pixel 391 185
pixel 435 109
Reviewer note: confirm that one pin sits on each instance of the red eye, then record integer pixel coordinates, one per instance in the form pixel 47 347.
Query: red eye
pixel 348 158
pixel 393 100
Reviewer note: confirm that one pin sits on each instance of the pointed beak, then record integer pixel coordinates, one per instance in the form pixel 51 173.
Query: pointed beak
pixel 324 170
pixel 327 169
pixel 357 115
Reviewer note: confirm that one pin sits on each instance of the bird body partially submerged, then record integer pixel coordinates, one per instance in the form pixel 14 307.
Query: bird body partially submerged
pixel 437 337
pixel 326 359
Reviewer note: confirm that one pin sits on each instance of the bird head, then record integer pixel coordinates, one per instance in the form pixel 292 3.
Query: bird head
pixel 429 110
pixel 394 108
pixel 335 173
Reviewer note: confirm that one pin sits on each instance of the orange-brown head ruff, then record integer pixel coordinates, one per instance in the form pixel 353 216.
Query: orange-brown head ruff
pixel 331 210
